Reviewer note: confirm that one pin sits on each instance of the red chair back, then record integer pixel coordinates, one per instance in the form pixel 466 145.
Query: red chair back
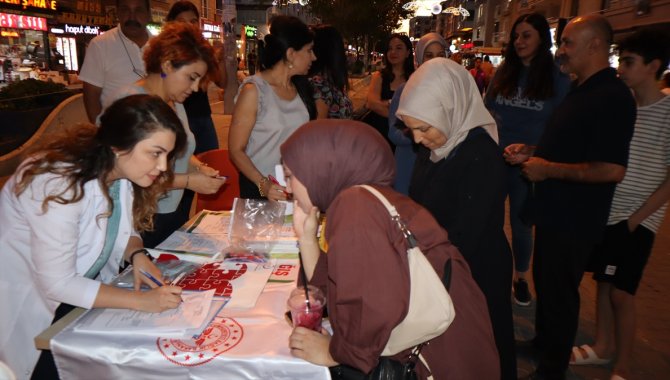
pixel 223 199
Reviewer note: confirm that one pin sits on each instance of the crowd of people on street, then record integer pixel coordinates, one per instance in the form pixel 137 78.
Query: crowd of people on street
pixel 580 150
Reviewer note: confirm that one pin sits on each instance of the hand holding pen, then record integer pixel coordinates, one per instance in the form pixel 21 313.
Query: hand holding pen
pixel 281 189
pixel 160 284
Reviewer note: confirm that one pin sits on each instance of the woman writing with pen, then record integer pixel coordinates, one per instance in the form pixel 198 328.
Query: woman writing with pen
pixel 70 215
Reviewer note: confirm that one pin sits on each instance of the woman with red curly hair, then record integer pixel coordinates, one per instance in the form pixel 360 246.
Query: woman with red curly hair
pixel 176 61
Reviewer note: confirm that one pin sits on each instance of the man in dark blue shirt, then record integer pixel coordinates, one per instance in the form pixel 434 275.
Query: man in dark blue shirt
pixel 581 156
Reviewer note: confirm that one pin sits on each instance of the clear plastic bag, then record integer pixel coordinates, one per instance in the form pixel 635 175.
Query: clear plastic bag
pixel 256 224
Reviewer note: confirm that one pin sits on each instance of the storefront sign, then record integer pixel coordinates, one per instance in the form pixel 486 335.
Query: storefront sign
pixel 82 29
pixel 207 27
pixel 10 20
pixel 9 33
pixel 40 4
pixel 250 30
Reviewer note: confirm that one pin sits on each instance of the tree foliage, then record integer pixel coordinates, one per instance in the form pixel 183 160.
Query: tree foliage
pixel 358 18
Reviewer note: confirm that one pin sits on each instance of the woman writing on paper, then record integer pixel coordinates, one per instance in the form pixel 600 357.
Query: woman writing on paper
pixel 69 217
pixel 365 273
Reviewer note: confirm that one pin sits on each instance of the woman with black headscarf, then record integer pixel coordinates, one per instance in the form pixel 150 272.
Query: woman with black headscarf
pixel 365 273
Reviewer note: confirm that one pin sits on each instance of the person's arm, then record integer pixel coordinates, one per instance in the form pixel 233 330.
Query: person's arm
pixel 396 134
pixel 657 199
pixel 92 103
pixel 322 98
pixel 537 169
pixel 321 109
pixel 374 98
pixel 516 154
pixel 243 121
pixel 201 179
pixel 306 225
pixel 54 242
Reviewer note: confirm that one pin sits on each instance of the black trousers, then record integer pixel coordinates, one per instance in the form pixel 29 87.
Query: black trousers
pixel 45 369
pixel 248 189
pixel 166 224
pixel 558 266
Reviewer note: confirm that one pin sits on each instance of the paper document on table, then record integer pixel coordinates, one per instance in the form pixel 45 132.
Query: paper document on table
pixel 211 222
pixel 206 244
pixel 190 314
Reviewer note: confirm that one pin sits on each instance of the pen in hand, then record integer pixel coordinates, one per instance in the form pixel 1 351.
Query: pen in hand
pixel 156 281
pixel 274 180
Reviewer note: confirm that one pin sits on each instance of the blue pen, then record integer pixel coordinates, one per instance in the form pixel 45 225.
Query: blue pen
pixel 150 277
pixel 154 280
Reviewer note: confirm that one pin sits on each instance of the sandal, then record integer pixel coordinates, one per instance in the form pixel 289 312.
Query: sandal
pixel 591 357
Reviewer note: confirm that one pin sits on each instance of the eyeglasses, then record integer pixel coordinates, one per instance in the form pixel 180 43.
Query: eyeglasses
pixel 137 71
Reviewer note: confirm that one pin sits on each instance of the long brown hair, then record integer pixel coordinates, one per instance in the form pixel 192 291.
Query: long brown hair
pixel 540 83
pixel 83 153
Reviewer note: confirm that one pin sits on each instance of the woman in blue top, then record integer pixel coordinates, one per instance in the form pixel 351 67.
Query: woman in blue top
pixel 522 96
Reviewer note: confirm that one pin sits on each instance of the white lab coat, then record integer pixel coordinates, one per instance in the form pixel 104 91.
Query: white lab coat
pixel 44 257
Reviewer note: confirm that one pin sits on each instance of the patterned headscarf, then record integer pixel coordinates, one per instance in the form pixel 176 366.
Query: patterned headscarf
pixel 443 94
pixel 328 156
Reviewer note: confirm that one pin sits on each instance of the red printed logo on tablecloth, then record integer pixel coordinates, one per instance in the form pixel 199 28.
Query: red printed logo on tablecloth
pixel 220 336
pixel 214 276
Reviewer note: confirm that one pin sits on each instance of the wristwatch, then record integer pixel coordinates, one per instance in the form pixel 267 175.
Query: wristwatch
pixel 142 251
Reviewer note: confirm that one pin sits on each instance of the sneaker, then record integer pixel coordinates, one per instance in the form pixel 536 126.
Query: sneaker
pixel 521 293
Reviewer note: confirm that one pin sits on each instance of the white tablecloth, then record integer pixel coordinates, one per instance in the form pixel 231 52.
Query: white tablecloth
pixel 241 344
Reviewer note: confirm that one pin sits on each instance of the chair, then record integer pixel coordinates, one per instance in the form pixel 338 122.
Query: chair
pixel 69 112
pixel 223 199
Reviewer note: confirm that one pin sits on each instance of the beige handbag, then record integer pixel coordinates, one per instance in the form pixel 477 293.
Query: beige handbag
pixel 430 308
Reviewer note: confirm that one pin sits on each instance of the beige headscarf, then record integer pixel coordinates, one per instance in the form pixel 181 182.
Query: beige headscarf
pixel 425 41
pixel 443 94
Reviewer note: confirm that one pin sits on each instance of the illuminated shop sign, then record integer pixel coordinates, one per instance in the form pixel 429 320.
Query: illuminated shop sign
pixel 250 30
pixel 81 29
pixel 10 20
pixel 213 28
pixel 40 4
pixel 9 33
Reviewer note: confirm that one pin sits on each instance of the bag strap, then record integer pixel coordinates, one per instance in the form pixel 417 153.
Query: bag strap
pixel 411 240
pixel 394 214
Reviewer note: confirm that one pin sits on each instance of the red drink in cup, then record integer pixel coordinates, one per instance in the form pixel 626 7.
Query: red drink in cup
pixel 305 315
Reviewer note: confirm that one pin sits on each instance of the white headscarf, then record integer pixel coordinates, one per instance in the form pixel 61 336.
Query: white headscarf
pixel 443 94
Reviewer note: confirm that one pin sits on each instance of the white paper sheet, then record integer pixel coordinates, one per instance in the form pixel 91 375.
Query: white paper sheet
pixel 190 314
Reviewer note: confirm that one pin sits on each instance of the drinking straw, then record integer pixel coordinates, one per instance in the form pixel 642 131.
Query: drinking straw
pixel 303 275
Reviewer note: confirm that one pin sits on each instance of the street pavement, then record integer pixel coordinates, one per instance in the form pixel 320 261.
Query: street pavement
pixel 651 356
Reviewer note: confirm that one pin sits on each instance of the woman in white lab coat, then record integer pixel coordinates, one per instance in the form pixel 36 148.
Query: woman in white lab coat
pixel 70 215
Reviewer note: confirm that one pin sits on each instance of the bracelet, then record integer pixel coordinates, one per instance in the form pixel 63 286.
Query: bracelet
pixel 142 251
pixel 260 184
pixel 188 176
